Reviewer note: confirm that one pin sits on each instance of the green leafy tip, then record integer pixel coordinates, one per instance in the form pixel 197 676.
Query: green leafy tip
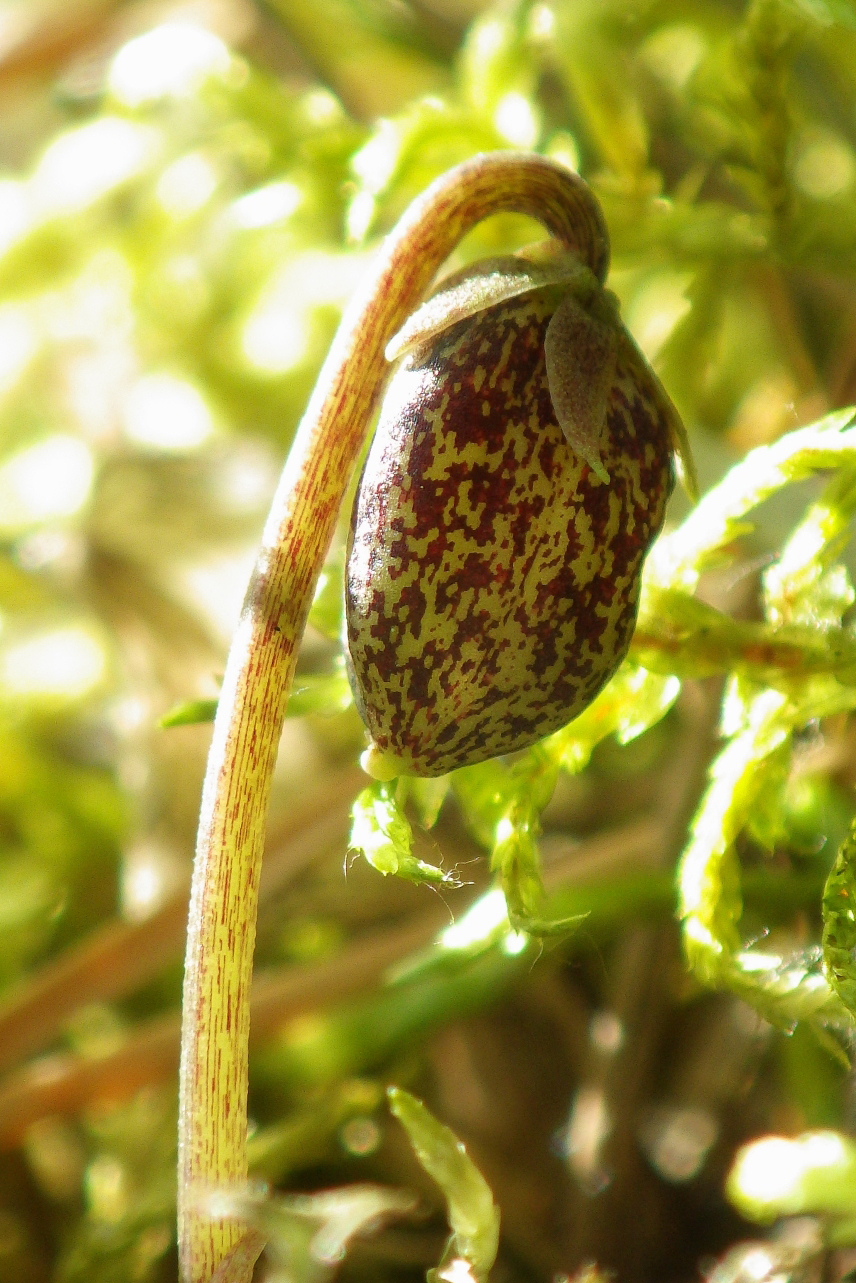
pixel 323 693
pixel 473 1215
pixel 381 832
pixel 191 713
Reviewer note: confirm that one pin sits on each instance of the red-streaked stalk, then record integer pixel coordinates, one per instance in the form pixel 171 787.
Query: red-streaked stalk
pixel 260 668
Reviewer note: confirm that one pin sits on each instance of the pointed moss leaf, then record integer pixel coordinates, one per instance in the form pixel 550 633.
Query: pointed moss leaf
pixel 427 797
pixel 581 352
pixel 839 923
pixel 648 377
pixel 483 793
pixel 473 1215
pixel 633 702
pixel 831 597
pixel 678 559
pixel 806 585
pixel 710 903
pixel 518 860
pixel 190 713
pixel 806 656
pixel 542 928
pixel 382 834
pixel 811 1175
pixel 783 989
pixel 515 856
pixel 328 604
pixel 689 638
pixel 500 798
pixel 324 693
pixel 652 695
pixel 766 821
pixel 380 831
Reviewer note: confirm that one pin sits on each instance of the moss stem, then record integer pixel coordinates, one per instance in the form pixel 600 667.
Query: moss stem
pixel 260 668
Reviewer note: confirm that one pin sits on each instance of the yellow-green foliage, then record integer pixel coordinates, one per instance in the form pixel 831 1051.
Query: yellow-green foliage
pixel 181 223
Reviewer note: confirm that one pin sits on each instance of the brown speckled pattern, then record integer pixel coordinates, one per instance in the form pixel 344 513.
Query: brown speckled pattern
pixel 492 579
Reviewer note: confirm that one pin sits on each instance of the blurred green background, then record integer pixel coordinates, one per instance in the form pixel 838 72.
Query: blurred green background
pixel 189 193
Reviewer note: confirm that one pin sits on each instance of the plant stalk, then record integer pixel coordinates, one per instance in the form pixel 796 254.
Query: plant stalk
pixel 262 659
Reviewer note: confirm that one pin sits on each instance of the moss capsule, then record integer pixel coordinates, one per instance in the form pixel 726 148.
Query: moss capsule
pixel 518 476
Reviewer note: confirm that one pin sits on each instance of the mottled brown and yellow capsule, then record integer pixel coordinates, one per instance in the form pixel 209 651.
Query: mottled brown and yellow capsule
pixel 495 556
